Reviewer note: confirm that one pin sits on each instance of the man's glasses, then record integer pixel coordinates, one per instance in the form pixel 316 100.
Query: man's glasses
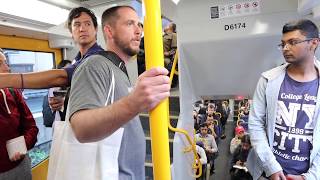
pixel 292 43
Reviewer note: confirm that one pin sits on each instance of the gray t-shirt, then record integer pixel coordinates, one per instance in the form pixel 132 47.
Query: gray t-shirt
pixel 89 90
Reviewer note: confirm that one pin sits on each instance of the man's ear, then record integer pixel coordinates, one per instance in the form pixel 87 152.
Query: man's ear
pixel 314 44
pixel 96 33
pixel 108 31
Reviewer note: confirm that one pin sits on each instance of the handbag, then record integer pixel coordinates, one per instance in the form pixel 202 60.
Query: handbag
pixel 72 160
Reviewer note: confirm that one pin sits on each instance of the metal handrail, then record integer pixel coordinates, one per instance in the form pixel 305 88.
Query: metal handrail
pixel 196 163
pixel 239 116
pixel 216 122
pixel 217 113
pixel 173 68
pixel 239 121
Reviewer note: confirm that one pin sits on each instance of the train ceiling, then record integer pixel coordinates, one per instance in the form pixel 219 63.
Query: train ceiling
pixel 11 24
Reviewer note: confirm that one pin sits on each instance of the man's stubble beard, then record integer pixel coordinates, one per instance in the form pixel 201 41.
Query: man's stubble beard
pixel 125 47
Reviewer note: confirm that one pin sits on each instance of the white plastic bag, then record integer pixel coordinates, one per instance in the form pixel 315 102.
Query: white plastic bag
pixel 72 160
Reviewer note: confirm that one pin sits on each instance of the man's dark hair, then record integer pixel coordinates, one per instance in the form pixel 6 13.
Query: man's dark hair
pixel 305 26
pixel 203 125
pixel 246 139
pixel 173 26
pixel 76 12
pixel 110 15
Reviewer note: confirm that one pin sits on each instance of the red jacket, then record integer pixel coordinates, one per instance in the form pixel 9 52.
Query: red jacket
pixel 15 120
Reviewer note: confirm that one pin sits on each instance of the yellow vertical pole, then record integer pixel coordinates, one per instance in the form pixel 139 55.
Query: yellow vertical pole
pixel 159 116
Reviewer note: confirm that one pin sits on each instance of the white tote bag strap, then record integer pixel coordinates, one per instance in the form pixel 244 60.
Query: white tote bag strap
pixel 71 160
pixel 110 147
pixel 56 147
pixel 111 90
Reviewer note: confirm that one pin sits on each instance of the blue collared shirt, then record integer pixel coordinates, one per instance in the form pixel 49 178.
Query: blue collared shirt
pixel 91 51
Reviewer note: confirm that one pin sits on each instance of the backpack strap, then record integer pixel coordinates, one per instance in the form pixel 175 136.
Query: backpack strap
pixel 115 59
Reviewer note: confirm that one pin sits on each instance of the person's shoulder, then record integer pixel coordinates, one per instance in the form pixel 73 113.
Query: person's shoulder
pixel 174 35
pixel 274 72
pixel 95 61
pixel 167 36
pixel 96 64
pixel 210 136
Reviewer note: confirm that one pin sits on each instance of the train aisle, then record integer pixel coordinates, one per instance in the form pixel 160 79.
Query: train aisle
pixel 222 163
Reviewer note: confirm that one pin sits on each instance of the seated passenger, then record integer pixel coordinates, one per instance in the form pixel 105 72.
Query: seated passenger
pixel 236 141
pixel 15 120
pixel 238 169
pixel 211 109
pixel 211 126
pixel 210 145
pixel 217 125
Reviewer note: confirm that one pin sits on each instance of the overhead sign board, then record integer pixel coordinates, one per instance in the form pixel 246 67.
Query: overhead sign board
pixel 236 9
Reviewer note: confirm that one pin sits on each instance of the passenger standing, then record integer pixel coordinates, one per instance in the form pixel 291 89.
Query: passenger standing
pixel 15 120
pixel 90 119
pixel 82 24
pixel 224 117
pixel 169 43
pixel 284 120
pixel 169 50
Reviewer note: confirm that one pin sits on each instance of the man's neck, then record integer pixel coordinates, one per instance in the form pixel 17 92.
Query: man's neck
pixel 124 57
pixel 303 72
pixel 83 49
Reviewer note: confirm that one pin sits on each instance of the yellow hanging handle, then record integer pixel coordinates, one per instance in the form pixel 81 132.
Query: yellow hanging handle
pixel 239 120
pixel 219 114
pixel 173 69
pixel 196 163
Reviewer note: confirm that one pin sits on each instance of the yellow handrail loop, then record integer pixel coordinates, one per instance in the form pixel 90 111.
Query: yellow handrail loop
pixel 173 68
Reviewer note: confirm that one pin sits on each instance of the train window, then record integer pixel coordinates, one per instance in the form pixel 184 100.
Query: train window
pixel 21 61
